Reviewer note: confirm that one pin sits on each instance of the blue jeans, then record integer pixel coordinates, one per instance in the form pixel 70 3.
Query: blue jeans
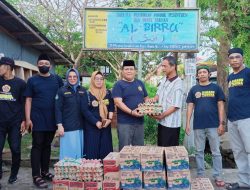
pixel 214 142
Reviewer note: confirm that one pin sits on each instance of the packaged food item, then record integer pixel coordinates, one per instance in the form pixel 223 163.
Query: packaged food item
pixel 131 179
pixel 176 158
pixel 76 185
pixel 111 185
pixel 60 184
pixel 154 180
pixel 179 180
pixel 150 108
pixel 201 184
pixel 111 163
pixel 130 158
pixel 152 158
pixel 93 185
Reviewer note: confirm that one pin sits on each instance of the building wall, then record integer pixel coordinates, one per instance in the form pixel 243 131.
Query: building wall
pixel 12 48
pixel 25 57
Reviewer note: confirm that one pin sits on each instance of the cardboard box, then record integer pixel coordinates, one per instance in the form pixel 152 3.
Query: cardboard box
pixel 201 184
pixel 111 160
pixel 152 158
pixel 176 158
pixel 111 185
pixel 130 158
pixel 76 185
pixel 93 185
pixel 131 179
pixel 60 184
pixel 112 176
pixel 178 180
pixel 111 169
pixel 154 180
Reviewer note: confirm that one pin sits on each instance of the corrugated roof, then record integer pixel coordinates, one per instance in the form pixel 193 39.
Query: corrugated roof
pixel 21 29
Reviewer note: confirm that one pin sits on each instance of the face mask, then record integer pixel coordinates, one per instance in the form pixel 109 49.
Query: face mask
pixel 43 69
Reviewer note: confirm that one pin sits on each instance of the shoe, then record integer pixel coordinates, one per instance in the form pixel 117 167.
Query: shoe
pixel 12 179
pixel 39 182
pixel 47 176
pixel 219 183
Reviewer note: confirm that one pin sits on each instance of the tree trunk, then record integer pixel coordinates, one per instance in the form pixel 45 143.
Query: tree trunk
pixel 225 42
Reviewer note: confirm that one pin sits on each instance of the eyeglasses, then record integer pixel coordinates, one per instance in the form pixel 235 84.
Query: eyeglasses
pixel 99 79
pixel 234 57
pixel 72 77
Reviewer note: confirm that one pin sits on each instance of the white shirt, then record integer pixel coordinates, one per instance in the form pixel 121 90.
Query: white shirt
pixel 170 93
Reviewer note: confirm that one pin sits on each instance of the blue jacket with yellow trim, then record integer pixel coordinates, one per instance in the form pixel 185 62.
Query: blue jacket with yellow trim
pixel 72 108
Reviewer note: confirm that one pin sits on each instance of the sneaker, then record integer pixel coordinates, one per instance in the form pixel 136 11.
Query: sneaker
pixel 12 179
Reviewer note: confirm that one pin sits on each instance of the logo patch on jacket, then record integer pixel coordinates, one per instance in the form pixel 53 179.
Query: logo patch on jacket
pixel 67 93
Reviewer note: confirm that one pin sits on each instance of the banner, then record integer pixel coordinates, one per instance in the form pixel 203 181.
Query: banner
pixel 144 29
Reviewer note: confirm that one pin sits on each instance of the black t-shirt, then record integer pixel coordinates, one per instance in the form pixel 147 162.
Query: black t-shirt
pixel 239 95
pixel 205 100
pixel 43 90
pixel 12 99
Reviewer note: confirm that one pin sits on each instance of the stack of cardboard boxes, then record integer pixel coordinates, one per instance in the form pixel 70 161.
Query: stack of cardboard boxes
pixel 130 167
pixel 71 174
pixel 154 175
pixel 177 163
pixel 111 168
pixel 135 167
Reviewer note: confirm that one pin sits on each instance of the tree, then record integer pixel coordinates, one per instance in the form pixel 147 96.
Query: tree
pixel 228 24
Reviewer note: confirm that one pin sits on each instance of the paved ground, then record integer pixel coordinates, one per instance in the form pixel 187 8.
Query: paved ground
pixel 25 182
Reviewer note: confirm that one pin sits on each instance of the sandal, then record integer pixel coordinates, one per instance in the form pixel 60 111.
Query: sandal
pixel 39 182
pixel 219 183
pixel 233 186
pixel 48 176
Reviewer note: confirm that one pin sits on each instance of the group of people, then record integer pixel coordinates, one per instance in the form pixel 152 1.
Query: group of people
pixel 207 100
pixel 82 118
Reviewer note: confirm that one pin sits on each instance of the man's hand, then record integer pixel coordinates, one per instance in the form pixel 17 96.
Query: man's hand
pixel 188 130
pixel 136 113
pixel 221 130
pixel 23 128
pixel 99 124
pixel 29 125
pixel 159 117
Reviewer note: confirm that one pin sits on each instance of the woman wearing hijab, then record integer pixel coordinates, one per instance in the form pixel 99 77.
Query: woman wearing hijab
pixel 98 140
pixel 69 119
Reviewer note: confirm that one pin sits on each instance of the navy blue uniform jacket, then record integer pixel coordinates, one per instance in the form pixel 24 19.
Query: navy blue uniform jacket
pixel 72 108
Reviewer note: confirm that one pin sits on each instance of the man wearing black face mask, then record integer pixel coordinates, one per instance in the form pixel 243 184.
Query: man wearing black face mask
pixel 40 119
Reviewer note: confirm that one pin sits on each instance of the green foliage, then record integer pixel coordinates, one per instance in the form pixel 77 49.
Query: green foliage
pixel 150 123
pixel 150 3
pixel 151 90
pixel 182 135
pixel 150 130
pixel 61 70
pixel 237 18
pixel 208 158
